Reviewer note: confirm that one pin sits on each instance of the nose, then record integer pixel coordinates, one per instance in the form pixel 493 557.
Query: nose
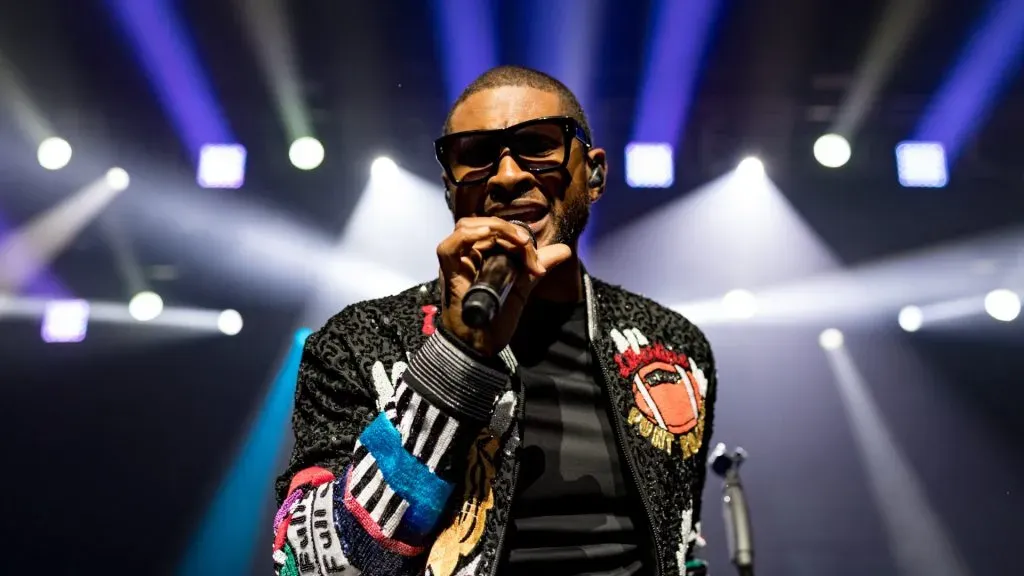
pixel 510 180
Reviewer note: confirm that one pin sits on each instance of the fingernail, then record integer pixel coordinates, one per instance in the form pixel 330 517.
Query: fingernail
pixel 523 235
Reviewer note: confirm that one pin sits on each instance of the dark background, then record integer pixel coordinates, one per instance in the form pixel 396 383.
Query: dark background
pixel 113 448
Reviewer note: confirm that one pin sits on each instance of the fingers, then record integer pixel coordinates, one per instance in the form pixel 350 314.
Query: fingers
pixel 550 256
pixel 501 228
pixel 475 236
pixel 545 258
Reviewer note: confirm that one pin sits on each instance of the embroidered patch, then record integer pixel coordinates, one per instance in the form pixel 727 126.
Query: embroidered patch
pixel 284 517
pixel 503 414
pixel 312 476
pixel 668 392
pixel 685 537
pixel 429 313
pixel 383 384
pixel 312 536
pixel 463 535
pixel 287 567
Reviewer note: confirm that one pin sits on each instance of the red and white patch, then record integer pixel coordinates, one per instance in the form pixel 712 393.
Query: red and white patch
pixel 668 392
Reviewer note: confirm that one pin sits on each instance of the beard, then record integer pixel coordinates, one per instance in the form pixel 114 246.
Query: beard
pixel 572 219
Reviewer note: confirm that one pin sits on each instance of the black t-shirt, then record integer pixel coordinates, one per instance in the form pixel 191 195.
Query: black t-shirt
pixel 574 511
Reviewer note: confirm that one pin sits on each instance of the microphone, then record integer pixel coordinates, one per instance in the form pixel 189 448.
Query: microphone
pixel 483 300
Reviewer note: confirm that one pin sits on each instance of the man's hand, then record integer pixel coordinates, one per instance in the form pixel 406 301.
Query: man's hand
pixel 461 255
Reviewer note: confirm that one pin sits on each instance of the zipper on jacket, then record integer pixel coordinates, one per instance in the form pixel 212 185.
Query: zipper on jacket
pixel 520 413
pixel 504 525
pixel 619 433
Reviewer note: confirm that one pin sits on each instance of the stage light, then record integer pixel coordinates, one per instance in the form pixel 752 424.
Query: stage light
pixel 739 304
pixel 921 165
pixel 54 153
pixel 649 165
pixel 911 318
pixel 832 151
pixel 65 321
pixel 1003 305
pixel 831 339
pixel 384 170
pixel 751 167
pixel 221 166
pixel 306 153
pixel 146 306
pixel 229 322
pixel 118 179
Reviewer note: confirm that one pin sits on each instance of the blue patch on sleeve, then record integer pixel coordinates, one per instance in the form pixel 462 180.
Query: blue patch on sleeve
pixel 426 493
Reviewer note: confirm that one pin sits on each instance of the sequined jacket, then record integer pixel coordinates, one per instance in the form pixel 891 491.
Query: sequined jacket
pixel 405 456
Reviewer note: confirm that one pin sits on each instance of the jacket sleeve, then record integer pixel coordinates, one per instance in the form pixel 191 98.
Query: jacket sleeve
pixel 696 539
pixel 364 490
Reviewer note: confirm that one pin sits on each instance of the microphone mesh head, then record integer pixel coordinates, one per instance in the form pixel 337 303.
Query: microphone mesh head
pixel 529 230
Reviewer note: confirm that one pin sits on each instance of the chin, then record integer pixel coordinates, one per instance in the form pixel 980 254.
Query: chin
pixel 547 236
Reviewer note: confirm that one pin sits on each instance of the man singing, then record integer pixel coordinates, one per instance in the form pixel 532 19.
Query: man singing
pixel 568 437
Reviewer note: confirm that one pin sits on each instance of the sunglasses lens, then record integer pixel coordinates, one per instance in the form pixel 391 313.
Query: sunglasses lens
pixel 472 156
pixel 537 146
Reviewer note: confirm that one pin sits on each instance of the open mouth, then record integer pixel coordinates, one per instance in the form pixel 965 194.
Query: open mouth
pixel 533 216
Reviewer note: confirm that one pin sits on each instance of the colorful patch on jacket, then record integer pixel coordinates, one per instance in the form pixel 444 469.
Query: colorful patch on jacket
pixel 463 535
pixel 429 314
pixel 668 392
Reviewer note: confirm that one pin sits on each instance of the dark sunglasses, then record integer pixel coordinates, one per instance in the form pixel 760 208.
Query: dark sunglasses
pixel 539 145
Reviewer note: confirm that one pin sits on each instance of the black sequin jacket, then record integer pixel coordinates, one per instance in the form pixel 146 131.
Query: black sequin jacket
pixel 354 387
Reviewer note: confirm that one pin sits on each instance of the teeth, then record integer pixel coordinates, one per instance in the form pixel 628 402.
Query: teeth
pixel 525 216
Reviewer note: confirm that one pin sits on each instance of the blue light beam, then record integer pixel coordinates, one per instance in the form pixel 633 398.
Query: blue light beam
pixel 225 539
pixel 985 65
pixel 678 40
pixel 465 42
pixel 167 55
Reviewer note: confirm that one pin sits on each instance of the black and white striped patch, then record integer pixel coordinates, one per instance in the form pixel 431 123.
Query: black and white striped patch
pixel 313 536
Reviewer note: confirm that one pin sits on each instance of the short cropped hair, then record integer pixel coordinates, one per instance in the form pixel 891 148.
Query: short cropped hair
pixel 521 76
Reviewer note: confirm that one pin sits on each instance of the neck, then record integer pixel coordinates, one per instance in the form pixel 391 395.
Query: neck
pixel 563 283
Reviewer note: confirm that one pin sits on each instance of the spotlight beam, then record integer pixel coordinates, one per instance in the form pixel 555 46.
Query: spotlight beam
pixel 939 280
pixel 896 30
pixel 267 27
pixel 27 251
pixel 465 41
pixel 986 64
pixel 191 320
pixel 124 255
pixel 34 125
pixel 678 41
pixel 920 542
pixel 169 59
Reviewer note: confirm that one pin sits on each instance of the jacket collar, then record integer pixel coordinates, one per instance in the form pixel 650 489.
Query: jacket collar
pixel 592 319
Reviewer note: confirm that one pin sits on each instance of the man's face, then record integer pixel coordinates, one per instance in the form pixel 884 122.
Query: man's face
pixel 556 208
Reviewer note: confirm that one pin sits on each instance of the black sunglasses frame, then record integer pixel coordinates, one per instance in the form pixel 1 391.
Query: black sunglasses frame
pixel 571 130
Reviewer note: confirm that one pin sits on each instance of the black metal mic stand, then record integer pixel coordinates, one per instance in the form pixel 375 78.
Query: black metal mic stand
pixel 734 507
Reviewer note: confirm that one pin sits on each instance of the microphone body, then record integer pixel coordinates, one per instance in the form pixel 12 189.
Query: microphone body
pixel 484 299
pixel 737 523
pixel 739 535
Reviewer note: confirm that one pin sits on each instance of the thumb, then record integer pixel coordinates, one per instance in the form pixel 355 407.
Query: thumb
pixel 553 255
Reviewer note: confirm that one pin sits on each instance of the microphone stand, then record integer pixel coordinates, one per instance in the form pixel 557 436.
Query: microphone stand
pixel 734 508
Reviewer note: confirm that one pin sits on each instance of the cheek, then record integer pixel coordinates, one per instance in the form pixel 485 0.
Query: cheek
pixel 553 185
pixel 467 202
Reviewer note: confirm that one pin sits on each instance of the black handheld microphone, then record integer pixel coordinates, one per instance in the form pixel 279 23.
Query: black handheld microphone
pixel 483 300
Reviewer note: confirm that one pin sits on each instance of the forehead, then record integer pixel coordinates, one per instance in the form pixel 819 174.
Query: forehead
pixel 504 106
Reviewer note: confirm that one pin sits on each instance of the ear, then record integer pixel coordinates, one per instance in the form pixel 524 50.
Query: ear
pixel 597 160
